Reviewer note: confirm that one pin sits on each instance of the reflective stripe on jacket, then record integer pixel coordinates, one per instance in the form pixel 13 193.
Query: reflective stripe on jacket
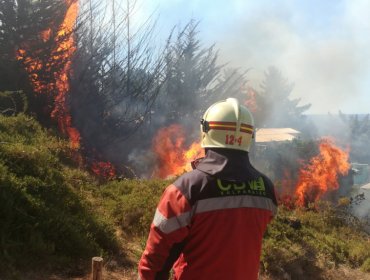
pixel 210 222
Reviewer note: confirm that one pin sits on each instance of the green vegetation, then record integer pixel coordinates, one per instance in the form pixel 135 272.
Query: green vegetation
pixel 306 242
pixel 53 212
pixel 46 213
pixel 298 242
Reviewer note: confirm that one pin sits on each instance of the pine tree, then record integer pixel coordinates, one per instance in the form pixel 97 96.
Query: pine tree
pixel 29 40
pixel 191 77
pixel 118 71
pixel 278 109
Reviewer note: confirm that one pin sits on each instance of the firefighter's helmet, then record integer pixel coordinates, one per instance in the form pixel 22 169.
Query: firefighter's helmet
pixel 227 124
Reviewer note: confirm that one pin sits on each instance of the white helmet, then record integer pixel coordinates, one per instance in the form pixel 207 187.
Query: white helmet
pixel 227 124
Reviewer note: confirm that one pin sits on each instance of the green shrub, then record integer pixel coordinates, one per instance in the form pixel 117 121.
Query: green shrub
pixel 132 203
pixel 45 211
pixel 366 266
pixel 329 235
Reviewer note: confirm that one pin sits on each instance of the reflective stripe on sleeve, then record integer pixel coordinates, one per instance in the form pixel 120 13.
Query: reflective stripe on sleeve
pixel 230 202
pixel 169 225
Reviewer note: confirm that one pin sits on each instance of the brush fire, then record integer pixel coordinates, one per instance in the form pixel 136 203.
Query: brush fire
pixel 319 176
pixel 56 84
pixel 250 103
pixel 316 178
pixel 174 151
pixel 171 153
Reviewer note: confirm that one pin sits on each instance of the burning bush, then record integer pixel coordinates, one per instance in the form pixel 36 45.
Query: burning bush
pixel 172 155
pixel 320 175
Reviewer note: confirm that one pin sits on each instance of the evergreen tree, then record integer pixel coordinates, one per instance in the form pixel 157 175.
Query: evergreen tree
pixel 232 83
pixel 278 109
pixel 118 72
pixel 29 40
pixel 191 78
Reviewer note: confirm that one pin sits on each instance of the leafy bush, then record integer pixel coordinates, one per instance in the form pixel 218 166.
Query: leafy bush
pixel 132 203
pixel 45 210
pixel 301 242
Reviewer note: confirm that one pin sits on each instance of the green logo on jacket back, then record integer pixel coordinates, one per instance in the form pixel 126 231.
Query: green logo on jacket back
pixel 255 187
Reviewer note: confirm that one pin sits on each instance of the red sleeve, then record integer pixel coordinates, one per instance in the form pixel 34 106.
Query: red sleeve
pixel 170 226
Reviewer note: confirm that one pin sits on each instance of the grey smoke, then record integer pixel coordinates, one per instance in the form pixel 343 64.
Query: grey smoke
pixel 321 46
pixel 142 162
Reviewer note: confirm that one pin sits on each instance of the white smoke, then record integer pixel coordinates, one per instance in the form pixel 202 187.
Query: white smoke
pixel 322 46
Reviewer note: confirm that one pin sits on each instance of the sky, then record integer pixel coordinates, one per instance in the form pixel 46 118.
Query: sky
pixel 321 46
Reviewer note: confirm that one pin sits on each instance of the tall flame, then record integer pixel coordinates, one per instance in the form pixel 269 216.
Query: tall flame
pixel 321 173
pixel 67 48
pixel 172 156
pixel 61 54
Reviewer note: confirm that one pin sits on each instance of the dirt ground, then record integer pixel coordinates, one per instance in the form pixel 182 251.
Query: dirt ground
pixel 119 273
pixel 123 266
pixel 341 273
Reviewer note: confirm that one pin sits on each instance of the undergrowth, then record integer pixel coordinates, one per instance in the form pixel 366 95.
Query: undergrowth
pixel 54 213
pixel 308 241
pixel 46 214
pixel 301 242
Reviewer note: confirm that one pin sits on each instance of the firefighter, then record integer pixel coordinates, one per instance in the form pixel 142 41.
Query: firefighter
pixel 209 223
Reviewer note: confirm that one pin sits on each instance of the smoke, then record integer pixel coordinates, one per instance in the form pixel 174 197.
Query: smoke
pixel 362 209
pixel 321 46
pixel 322 52
pixel 142 162
pixel 318 46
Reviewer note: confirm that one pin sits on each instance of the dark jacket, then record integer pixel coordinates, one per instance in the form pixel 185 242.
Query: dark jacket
pixel 209 223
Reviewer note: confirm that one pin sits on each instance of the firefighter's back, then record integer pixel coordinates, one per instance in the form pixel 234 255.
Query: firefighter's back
pixel 227 225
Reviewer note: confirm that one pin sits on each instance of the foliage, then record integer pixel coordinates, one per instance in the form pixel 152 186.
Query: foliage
pixel 46 213
pixel 299 242
pixel 28 38
pixel 286 156
pixel 314 239
pixel 53 213
pixel 191 78
pixel 277 109
pixel 117 72
pixel 132 203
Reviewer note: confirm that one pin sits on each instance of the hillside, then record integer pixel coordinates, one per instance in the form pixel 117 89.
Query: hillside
pixel 56 216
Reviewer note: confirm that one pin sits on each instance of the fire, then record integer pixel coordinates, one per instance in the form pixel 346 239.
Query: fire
pixel 105 169
pixel 67 48
pixel 61 54
pixel 251 103
pixel 172 155
pixel 287 183
pixel 321 173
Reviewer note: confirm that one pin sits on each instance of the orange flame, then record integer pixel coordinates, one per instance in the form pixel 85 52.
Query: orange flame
pixel 172 157
pixel 321 173
pixel 67 48
pixel 251 103
pixel 63 51
pixel 105 169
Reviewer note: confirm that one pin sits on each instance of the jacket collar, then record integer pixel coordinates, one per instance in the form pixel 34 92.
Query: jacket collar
pixel 227 164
